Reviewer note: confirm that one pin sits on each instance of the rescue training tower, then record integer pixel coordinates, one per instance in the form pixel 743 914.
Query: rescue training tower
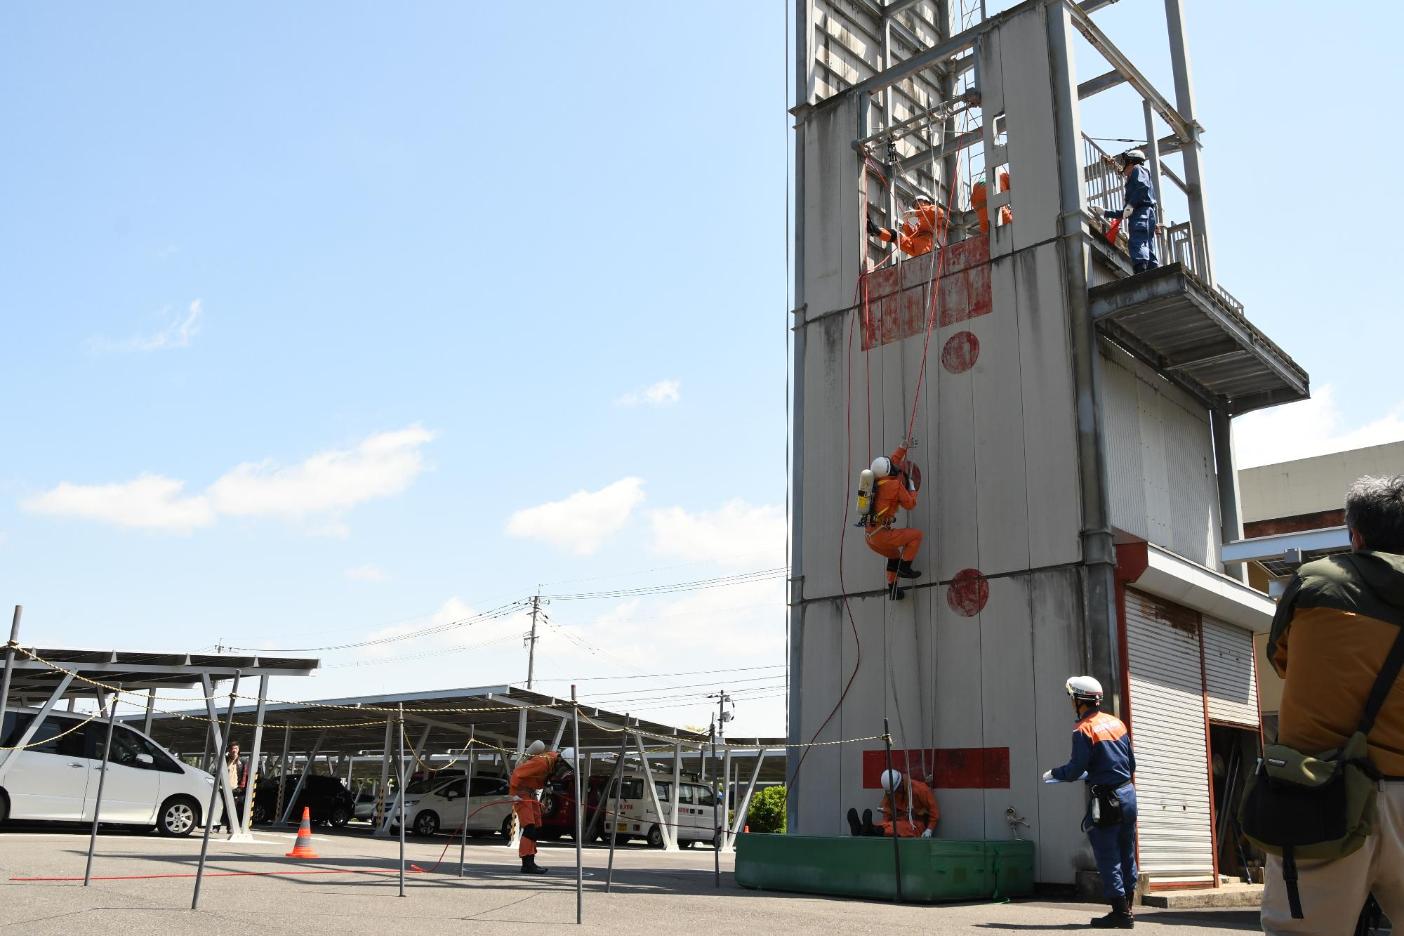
pixel 1073 422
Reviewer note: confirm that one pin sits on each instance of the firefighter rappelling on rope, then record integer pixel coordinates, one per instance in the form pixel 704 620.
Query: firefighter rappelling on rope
pixel 891 483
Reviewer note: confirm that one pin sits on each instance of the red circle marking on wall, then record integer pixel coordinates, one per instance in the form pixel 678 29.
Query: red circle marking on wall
pixel 961 352
pixel 968 592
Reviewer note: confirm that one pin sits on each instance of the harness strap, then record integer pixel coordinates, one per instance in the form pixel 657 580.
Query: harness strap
pixel 1289 876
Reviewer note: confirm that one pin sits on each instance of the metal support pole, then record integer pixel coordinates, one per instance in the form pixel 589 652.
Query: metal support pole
pixel 9 669
pixel 400 793
pixel 221 740
pixel 745 805
pixel 892 805
pixel 613 816
pixel 404 771
pixel 677 786
pixel 1153 155
pixel 717 839
pixel 283 771
pixel 97 806
pixel 726 796
pixel 302 778
pixel 579 812
pixel 670 842
pixel 467 798
pixel 1226 471
pixel 1190 153
pixel 1101 646
pixel 150 711
pixel 251 783
pixel 383 792
pixel 221 784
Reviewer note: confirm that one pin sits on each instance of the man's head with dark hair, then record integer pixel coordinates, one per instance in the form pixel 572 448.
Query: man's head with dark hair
pixel 1374 512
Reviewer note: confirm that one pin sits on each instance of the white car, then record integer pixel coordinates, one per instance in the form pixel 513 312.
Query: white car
pixel 56 776
pixel 697 813
pixel 443 807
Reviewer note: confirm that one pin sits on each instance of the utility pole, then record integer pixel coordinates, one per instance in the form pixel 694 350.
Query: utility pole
pixel 531 640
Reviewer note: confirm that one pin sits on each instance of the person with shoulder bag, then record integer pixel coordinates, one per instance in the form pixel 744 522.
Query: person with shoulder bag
pixel 1327 800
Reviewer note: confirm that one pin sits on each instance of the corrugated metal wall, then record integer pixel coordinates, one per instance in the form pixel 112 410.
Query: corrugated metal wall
pixel 1230 679
pixel 1167 713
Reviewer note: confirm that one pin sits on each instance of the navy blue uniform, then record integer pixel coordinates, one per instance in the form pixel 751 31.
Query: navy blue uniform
pixel 1101 748
pixel 1140 227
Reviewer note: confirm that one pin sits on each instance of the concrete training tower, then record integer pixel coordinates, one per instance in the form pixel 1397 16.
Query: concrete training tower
pixel 1073 424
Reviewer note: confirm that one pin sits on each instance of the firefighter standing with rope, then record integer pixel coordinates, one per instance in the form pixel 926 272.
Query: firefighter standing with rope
pixel 536 767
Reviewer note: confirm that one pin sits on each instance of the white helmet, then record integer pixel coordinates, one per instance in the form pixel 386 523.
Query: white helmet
pixel 882 467
pixel 568 757
pixel 535 748
pixel 1085 688
pixel 1133 156
pixel 891 780
pixel 922 198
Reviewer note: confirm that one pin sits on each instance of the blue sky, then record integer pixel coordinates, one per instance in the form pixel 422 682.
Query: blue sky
pixel 333 319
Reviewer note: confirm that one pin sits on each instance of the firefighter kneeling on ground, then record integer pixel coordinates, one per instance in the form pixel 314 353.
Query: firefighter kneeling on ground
pixel 897 483
pixel 537 767
pixel 909 810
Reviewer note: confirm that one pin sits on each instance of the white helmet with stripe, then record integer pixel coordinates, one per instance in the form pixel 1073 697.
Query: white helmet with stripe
pixel 1084 689
pixel 891 780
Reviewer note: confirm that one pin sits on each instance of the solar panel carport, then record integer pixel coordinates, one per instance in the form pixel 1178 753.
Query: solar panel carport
pixel 439 724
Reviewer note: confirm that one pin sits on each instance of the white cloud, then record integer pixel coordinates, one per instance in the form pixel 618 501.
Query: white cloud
pixel 329 482
pixel 178 333
pixel 149 502
pixel 663 393
pixel 366 573
pixel 320 488
pixel 1311 427
pixel 737 534
pixel 583 521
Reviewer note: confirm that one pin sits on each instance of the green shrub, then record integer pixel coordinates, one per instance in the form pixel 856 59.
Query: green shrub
pixel 767 812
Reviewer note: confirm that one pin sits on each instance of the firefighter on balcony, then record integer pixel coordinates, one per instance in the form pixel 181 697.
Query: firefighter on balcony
pixel 536 767
pixel 909 810
pixel 1101 754
pixel 919 226
pixel 890 483
pixel 1139 210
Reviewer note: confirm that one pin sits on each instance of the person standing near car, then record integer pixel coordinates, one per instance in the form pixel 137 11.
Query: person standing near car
pixel 536 767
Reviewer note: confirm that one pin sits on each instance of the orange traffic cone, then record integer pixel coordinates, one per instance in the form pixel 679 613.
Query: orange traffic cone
pixel 302 847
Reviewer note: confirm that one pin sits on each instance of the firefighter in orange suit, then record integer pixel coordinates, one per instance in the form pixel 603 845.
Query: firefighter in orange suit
pixel 911 801
pixel 979 198
pixel 918 232
pixel 527 780
pixel 896 487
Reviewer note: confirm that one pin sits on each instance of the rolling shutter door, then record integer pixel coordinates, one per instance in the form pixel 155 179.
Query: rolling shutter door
pixel 1167 711
pixel 1229 679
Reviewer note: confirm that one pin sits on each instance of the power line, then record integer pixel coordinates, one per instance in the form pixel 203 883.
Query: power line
pixel 742 578
pixel 494 614
pixel 735 669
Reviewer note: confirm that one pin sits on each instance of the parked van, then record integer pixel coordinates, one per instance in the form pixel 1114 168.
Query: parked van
pixel 443 808
pixel 697 812
pixel 56 776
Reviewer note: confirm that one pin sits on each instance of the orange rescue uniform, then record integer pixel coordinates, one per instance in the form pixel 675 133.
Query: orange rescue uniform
pixel 918 233
pixel 924 811
pixel 882 537
pixel 979 199
pixel 529 777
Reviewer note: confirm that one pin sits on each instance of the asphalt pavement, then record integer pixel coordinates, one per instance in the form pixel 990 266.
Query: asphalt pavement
pixel 143 885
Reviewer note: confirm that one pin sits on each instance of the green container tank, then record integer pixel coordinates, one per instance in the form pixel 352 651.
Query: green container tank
pixel 933 869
